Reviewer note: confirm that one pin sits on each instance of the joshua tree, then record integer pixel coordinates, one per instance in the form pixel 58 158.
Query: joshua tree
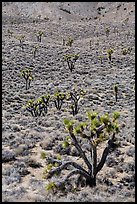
pixel 27 75
pixel 63 41
pixel 95 130
pixel 74 96
pixel 71 59
pixel 10 33
pixel 69 42
pixel 109 52
pixel 107 31
pixel 35 49
pixel 90 44
pixel 126 50
pixel 101 58
pixel 58 99
pixel 42 104
pixel 21 40
pixel 39 106
pixel 39 35
pixel 115 91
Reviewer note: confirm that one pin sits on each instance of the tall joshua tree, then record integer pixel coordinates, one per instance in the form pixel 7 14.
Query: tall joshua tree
pixel 94 130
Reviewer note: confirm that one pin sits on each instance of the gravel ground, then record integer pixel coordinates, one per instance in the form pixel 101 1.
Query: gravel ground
pixel 24 137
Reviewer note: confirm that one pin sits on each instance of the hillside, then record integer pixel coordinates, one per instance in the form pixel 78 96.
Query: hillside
pixel 24 137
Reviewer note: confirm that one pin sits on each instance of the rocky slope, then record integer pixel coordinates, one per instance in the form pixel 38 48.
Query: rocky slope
pixel 24 137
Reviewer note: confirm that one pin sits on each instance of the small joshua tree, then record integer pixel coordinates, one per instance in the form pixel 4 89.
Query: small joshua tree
pixel 74 96
pixel 10 33
pixel 115 91
pixel 39 106
pixel 39 35
pixel 27 75
pixel 101 58
pixel 95 130
pixel 35 50
pixel 107 31
pixel 71 60
pixel 63 42
pixel 69 42
pixel 126 51
pixel 110 52
pixel 90 44
pixel 42 104
pixel 58 99
pixel 21 40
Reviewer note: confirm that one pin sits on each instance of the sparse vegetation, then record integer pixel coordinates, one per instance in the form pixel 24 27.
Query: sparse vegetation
pixel 50 141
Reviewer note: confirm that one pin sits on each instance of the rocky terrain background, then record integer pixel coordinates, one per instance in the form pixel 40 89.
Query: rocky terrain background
pixel 24 137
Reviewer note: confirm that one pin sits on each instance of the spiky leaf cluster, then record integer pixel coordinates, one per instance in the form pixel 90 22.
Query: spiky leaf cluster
pixel 97 128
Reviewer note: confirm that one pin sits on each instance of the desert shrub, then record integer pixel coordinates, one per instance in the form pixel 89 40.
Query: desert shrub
pixel 27 75
pixel 71 60
pixel 95 130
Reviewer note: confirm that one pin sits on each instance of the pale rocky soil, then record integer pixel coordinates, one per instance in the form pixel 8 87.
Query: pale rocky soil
pixel 25 137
